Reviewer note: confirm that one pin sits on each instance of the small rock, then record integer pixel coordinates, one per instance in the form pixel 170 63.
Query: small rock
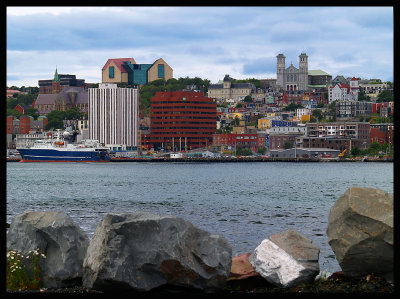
pixel 286 259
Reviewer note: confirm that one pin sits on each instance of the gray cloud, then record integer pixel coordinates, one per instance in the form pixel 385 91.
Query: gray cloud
pixel 228 39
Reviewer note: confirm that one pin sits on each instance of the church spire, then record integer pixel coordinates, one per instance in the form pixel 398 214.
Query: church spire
pixel 56 78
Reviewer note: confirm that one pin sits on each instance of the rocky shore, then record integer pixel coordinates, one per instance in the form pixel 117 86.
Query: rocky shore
pixel 337 283
pixel 145 253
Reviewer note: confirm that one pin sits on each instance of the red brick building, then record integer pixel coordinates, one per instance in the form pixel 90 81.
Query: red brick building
pixel 181 120
pixel 25 124
pixel 382 133
pixel 250 141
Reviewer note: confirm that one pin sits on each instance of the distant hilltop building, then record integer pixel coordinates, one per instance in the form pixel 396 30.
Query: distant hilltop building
pixel 126 70
pixel 59 81
pixel 292 78
pixel 228 90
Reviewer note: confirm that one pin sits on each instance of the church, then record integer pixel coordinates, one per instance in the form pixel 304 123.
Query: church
pixel 292 78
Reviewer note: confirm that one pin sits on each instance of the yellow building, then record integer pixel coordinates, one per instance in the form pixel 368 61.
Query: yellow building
pixel 264 123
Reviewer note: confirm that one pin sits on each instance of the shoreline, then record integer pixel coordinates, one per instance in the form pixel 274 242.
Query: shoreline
pixel 236 160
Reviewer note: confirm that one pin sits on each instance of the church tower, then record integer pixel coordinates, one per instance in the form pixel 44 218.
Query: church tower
pixel 55 85
pixel 303 71
pixel 280 70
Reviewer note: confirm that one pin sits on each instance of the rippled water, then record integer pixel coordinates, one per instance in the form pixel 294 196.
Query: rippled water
pixel 244 202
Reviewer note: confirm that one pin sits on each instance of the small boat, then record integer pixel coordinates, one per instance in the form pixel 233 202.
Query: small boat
pixel 58 150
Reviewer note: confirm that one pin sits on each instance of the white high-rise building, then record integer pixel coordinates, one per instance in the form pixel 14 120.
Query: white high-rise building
pixel 114 115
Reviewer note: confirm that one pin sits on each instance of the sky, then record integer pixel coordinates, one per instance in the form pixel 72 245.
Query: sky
pixel 204 42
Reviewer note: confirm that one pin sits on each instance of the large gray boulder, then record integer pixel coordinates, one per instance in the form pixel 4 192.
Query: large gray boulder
pixel 360 232
pixel 286 259
pixel 141 251
pixel 56 236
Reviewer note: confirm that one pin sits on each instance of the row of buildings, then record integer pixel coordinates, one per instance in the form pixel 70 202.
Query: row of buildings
pixel 184 120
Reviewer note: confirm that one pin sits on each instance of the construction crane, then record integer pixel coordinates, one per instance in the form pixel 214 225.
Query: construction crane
pixel 342 153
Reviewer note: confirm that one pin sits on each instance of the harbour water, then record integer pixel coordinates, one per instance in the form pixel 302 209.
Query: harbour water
pixel 244 202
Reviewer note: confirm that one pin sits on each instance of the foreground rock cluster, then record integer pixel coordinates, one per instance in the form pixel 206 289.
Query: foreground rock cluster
pixel 142 251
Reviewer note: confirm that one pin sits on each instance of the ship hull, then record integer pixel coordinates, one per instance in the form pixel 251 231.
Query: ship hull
pixel 52 155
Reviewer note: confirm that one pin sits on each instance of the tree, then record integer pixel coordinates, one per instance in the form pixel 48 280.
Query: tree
pixel 239 105
pixel 355 151
pixel 317 113
pixel 374 148
pixel 32 112
pixel 385 96
pixel 292 107
pixel 261 150
pixel 13 112
pixel 243 151
pixel 288 145
pixel 362 96
pixel 248 99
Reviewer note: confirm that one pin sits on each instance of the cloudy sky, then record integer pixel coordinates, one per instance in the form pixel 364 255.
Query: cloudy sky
pixel 205 42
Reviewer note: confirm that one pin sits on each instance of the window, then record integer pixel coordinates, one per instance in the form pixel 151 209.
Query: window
pixel 111 72
pixel 160 71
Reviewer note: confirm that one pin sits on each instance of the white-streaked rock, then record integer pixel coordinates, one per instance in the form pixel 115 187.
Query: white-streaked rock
pixel 275 265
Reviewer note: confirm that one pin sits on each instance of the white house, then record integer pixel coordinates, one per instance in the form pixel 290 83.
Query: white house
pixel 344 92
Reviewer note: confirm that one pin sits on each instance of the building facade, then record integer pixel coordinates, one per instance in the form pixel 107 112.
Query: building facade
pixel 292 78
pixel 126 70
pixel 230 91
pixel 67 98
pixel 346 130
pixel 114 115
pixel 59 81
pixel 181 120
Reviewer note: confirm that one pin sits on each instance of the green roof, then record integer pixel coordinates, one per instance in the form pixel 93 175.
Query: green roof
pixel 317 86
pixel 56 78
pixel 317 73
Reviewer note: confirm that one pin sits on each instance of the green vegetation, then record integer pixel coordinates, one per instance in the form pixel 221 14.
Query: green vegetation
pixel 288 145
pixel 261 150
pixel 55 118
pixel 243 151
pixel 256 82
pixel 385 96
pixel 23 272
pixel 293 107
pixel 374 149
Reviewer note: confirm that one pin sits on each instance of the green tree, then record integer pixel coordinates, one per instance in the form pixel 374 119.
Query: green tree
pixel 248 99
pixel 288 145
pixel 385 96
pixel 362 96
pixel 13 112
pixel 374 148
pixel 355 151
pixel 317 113
pixel 32 112
pixel 239 105
pixel 261 150
pixel 243 151
pixel 292 107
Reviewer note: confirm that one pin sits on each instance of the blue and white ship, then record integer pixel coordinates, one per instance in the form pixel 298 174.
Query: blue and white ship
pixel 58 149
